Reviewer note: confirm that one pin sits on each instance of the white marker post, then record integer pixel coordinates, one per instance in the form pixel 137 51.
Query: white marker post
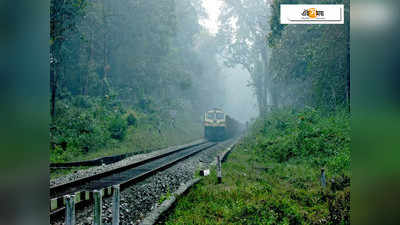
pixel 69 210
pixel 97 207
pixel 115 205
pixel 323 178
pixel 219 169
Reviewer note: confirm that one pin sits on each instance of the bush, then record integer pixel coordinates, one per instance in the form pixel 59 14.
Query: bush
pixel 131 120
pixel 84 124
pixel 117 128
pixel 305 134
pixel 146 104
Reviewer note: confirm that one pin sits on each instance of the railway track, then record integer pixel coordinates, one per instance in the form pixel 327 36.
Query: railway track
pixel 124 176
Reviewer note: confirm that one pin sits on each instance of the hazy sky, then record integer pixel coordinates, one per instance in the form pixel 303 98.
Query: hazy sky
pixel 212 9
pixel 241 102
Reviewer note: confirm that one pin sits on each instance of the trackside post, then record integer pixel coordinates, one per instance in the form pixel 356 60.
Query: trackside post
pixel 97 207
pixel 323 178
pixel 115 205
pixel 69 210
pixel 219 169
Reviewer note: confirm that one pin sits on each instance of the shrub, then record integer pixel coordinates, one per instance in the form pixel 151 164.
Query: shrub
pixel 305 134
pixel 84 124
pixel 146 104
pixel 131 120
pixel 117 128
pixel 82 102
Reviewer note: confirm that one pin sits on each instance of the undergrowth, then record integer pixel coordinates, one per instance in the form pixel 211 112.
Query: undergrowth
pixel 273 175
pixel 87 128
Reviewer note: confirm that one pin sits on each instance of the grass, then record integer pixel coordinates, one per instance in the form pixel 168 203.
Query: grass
pixel 164 197
pixel 262 187
pixel 141 139
pixel 146 139
pixel 62 172
pixel 85 128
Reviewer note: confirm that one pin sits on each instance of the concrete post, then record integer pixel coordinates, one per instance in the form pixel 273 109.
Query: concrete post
pixel 97 207
pixel 115 205
pixel 219 173
pixel 323 178
pixel 69 210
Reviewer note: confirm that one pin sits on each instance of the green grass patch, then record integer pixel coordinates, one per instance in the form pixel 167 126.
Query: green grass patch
pixel 88 128
pixel 164 197
pixel 138 140
pixel 145 139
pixel 62 172
pixel 273 175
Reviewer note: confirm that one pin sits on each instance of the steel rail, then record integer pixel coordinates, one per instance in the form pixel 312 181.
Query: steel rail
pixel 138 177
pixel 63 189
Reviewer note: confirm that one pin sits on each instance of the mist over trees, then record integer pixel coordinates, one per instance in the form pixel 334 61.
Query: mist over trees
pixel 114 59
pixel 135 76
pixel 108 56
pixel 296 65
pixel 135 49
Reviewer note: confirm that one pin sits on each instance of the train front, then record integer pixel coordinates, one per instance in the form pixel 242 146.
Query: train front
pixel 215 125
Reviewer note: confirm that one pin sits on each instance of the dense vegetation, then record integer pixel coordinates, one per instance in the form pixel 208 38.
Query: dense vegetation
pixel 132 75
pixel 111 60
pixel 301 78
pixel 273 175
pixel 127 66
pixel 296 65
pixel 102 129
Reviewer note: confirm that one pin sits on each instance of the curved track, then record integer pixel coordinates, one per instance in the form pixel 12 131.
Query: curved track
pixel 124 176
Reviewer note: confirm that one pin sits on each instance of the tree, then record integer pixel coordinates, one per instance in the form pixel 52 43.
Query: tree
pixel 64 16
pixel 244 29
pixel 290 65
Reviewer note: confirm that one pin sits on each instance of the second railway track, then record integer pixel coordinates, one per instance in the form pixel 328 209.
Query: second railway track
pixel 124 176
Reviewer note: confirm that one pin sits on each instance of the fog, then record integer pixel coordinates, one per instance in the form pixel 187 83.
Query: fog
pixel 241 102
pixel 161 61
pixel 239 99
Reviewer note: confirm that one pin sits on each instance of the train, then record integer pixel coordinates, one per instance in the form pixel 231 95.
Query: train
pixel 218 126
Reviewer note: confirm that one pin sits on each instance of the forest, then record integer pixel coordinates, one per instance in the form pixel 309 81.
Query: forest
pixel 138 75
pixel 300 75
pixel 128 66
pixel 291 66
pixel 132 66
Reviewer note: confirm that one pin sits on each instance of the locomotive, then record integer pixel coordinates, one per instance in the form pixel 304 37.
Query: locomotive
pixel 218 126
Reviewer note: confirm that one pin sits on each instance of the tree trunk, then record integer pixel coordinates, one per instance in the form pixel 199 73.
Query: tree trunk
pixel 347 5
pixel 53 89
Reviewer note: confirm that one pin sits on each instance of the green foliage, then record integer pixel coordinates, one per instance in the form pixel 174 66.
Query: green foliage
pixel 118 127
pixel 258 187
pixel 84 124
pixel 292 65
pixel 285 135
pixel 88 128
pixel 275 23
pixel 309 65
pixel 146 104
pixel 164 197
pixel 131 120
pixel 109 56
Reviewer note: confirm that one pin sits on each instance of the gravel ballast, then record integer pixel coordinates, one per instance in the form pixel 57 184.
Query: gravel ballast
pixel 79 174
pixel 142 198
